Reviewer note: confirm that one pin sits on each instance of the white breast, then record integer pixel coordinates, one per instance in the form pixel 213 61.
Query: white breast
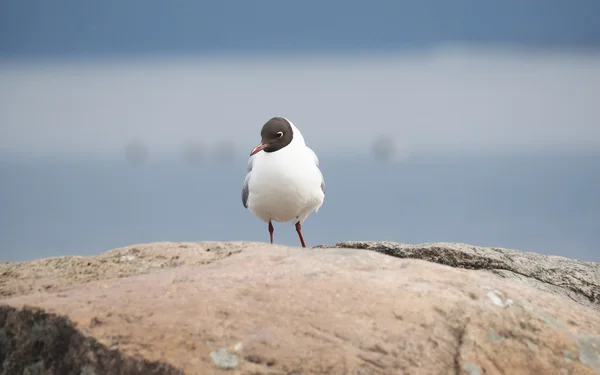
pixel 285 185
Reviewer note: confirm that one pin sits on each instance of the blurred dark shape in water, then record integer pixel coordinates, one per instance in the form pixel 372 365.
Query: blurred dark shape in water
pixel 224 151
pixel 386 149
pixel 193 153
pixel 136 152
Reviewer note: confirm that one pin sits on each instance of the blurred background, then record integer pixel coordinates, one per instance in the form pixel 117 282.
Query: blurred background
pixel 463 121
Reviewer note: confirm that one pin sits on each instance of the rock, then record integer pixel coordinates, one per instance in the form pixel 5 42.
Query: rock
pixel 267 309
pixel 35 342
pixel 223 359
pixel 573 279
pixel 60 273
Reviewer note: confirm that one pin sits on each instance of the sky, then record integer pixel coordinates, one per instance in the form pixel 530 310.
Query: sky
pixel 75 29
pixel 90 78
pixel 449 100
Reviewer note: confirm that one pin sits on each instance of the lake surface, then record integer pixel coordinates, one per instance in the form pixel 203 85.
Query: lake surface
pixel 542 202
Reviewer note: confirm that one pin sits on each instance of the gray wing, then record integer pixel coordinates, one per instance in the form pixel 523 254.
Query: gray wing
pixel 245 192
pixel 245 189
pixel 317 163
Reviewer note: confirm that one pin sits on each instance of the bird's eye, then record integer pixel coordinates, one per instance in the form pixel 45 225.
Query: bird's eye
pixel 279 134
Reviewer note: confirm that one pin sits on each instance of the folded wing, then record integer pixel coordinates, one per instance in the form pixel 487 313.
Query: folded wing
pixel 245 189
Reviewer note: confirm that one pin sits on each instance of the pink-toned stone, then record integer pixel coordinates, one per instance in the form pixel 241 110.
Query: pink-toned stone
pixel 268 309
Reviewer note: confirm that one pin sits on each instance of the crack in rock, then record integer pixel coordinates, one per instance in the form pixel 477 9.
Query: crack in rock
pixel 459 333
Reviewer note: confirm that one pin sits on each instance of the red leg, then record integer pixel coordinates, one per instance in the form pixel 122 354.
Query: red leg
pixel 271 229
pixel 299 230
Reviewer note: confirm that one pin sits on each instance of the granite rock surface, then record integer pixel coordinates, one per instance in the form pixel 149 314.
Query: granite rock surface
pixel 252 308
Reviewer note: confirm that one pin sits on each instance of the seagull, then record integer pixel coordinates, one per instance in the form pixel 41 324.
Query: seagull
pixel 283 182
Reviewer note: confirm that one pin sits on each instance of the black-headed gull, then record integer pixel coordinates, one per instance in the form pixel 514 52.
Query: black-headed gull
pixel 284 181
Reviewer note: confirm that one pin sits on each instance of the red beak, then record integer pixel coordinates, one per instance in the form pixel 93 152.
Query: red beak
pixel 258 148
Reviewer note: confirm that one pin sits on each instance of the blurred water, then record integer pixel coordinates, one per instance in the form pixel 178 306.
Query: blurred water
pixel 490 148
pixel 445 99
pixel 543 202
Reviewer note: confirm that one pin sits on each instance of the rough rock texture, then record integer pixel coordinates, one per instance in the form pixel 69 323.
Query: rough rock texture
pixel 247 308
pixel 577 280
pixel 60 273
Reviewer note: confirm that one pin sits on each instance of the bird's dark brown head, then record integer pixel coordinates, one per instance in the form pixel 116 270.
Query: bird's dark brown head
pixel 275 135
